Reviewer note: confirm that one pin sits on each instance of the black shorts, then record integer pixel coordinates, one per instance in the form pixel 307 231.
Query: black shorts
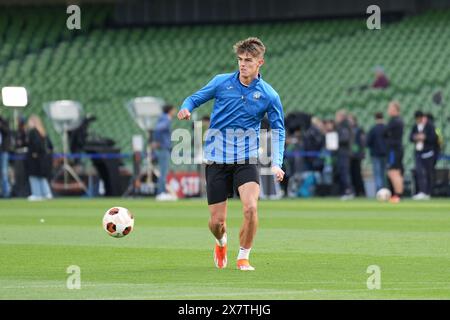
pixel 395 159
pixel 223 180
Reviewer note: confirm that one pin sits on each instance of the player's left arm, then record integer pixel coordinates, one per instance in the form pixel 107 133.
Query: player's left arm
pixel 200 97
pixel 276 118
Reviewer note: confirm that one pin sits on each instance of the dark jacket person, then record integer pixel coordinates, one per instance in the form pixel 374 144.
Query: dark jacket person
pixel 39 159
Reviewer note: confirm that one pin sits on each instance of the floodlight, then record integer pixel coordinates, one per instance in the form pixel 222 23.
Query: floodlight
pixel 145 111
pixel 66 115
pixel 14 97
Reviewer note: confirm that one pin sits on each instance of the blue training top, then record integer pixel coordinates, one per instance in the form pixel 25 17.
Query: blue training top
pixel 233 135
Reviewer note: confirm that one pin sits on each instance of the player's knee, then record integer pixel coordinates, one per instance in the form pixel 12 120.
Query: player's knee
pixel 250 211
pixel 217 221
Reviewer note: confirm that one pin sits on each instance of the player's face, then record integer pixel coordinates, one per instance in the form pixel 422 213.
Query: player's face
pixel 249 65
pixel 392 110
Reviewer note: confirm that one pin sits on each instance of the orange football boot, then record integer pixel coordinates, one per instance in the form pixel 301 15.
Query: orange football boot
pixel 220 256
pixel 394 199
pixel 244 265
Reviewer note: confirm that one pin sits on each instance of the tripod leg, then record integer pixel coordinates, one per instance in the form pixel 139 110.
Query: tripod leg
pixel 69 169
pixel 131 189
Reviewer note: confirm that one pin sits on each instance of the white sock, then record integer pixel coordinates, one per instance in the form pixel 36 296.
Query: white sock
pixel 222 242
pixel 244 253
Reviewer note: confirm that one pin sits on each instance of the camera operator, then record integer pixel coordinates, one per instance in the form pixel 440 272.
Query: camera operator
pixel 78 137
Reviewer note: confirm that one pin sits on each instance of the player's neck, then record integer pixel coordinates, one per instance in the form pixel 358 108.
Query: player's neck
pixel 246 81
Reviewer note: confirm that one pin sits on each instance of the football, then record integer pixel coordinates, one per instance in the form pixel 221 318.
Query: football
pixel 118 222
pixel 383 194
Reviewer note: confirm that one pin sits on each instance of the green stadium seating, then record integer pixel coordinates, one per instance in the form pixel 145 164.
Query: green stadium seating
pixel 310 63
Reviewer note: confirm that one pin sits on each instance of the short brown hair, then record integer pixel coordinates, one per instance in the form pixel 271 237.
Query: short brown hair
pixel 252 45
pixel 379 115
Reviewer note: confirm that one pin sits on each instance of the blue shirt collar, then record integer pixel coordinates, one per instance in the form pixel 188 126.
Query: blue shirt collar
pixel 253 83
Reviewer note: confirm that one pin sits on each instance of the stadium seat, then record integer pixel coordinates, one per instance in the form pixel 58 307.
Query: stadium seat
pixel 311 64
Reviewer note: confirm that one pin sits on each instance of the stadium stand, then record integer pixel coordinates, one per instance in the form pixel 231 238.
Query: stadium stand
pixel 310 63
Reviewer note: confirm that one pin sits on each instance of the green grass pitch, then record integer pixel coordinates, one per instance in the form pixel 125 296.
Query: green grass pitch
pixel 304 249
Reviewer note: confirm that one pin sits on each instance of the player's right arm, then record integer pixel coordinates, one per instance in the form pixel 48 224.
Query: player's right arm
pixel 205 94
pixel 276 119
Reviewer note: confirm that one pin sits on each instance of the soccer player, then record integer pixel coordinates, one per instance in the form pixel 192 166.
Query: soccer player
pixel 394 134
pixel 242 99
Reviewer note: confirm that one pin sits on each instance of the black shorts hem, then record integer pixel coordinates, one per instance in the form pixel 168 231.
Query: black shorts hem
pixel 223 180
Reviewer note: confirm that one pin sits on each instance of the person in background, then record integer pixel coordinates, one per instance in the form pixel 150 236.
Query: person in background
pixel 162 146
pixel 381 80
pixel 377 148
pixel 294 144
pixel 357 156
pixel 4 156
pixel 345 138
pixel 21 187
pixel 423 135
pixel 438 143
pixel 393 135
pixel 38 160
pixel 329 170
pixel 328 125
pixel 314 142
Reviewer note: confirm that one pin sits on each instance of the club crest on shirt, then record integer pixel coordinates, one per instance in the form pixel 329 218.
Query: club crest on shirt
pixel 257 95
